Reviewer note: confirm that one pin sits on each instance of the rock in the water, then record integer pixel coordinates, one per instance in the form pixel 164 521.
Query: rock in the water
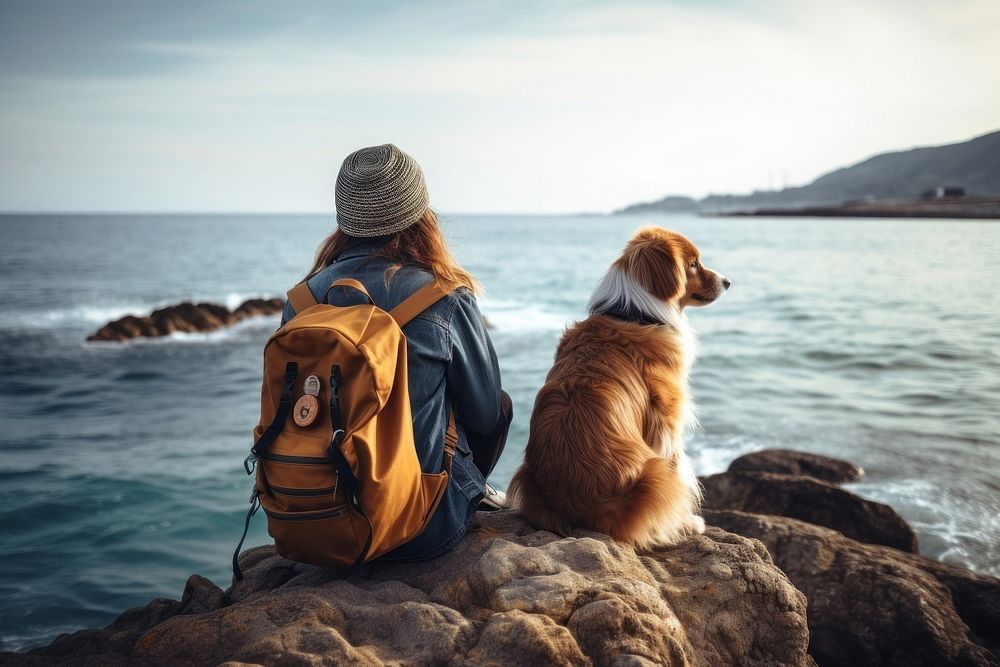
pixel 255 307
pixel 872 605
pixel 812 500
pixel 108 647
pixel 112 645
pixel 792 462
pixel 506 595
pixel 186 317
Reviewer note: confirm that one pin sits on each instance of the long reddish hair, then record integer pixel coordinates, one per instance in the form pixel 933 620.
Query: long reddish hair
pixel 420 244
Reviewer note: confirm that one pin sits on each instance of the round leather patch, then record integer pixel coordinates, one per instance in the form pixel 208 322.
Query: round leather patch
pixel 305 411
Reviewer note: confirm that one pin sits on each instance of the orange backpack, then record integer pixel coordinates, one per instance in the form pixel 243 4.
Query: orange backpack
pixel 337 470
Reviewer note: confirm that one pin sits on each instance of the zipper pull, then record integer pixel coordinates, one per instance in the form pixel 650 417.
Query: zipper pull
pixel 250 463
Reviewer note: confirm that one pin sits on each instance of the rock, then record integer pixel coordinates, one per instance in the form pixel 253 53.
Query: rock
pixel 976 597
pixel 873 605
pixel 110 646
pixel 811 500
pixel 113 644
pixel 185 317
pixel 792 462
pixel 200 595
pixel 506 594
pixel 256 307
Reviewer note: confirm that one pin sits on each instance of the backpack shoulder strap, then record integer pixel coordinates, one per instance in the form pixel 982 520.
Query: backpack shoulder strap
pixel 418 302
pixel 301 297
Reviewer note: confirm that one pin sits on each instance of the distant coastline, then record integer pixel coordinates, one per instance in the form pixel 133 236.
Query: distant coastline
pixel 959 180
pixel 980 208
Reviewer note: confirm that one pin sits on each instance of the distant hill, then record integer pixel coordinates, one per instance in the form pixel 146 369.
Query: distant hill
pixel 973 165
pixel 669 204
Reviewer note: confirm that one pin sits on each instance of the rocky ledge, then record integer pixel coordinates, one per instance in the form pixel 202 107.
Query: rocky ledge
pixel 185 317
pixel 511 595
pixel 506 595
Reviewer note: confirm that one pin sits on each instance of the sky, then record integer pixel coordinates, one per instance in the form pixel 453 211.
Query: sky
pixel 510 107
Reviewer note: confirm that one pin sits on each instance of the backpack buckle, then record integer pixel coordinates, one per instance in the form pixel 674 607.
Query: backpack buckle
pixel 250 463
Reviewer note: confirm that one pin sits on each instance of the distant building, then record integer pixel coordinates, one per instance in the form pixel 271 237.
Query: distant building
pixel 945 192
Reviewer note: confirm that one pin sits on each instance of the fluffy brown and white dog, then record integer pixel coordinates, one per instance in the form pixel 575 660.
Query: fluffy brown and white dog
pixel 606 448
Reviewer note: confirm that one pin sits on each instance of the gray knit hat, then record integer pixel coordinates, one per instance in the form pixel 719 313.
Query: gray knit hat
pixel 380 190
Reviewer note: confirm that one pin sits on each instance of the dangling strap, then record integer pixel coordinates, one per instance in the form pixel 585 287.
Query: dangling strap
pixel 450 440
pixel 254 506
pixel 450 443
pixel 258 449
pixel 344 472
pixel 301 297
pixel 418 302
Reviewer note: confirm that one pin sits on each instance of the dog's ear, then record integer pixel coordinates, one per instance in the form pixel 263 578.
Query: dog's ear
pixel 651 259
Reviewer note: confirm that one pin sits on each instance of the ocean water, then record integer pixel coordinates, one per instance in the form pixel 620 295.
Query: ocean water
pixel 873 340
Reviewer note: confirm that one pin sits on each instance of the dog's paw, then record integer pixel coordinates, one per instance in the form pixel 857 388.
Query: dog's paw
pixel 696 525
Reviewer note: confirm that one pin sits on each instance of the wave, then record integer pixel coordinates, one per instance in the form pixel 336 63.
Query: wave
pixel 225 334
pixel 102 313
pixel 960 531
pixel 508 316
pixel 91 314
pixel 713 456
pixel 240 330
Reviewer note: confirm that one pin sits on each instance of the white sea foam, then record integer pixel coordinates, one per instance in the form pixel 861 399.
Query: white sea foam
pixel 233 300
pixel 949 528
pixel 225 334
pixel 512 317
pixel 99 314
pixel 714 456
pixel 90 314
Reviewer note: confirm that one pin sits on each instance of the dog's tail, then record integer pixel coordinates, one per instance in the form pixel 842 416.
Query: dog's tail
pixel 656 511
pixel 527 498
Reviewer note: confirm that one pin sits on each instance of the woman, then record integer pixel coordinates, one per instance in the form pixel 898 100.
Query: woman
pixel 388 239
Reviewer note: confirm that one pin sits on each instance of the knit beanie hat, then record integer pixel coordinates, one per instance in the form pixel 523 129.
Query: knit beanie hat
pixel 380 191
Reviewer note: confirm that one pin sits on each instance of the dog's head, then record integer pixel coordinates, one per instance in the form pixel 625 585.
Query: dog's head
pixel 658 275
pixel 669 267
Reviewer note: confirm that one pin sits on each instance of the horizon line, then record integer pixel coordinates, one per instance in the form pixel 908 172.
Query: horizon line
pixel 299 213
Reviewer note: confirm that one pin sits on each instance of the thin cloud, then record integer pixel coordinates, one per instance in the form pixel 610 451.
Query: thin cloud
pixel 588 109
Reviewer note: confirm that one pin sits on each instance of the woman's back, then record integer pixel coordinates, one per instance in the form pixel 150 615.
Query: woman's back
pixel 451 362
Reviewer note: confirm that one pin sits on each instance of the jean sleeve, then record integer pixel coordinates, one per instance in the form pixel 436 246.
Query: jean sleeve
pixel 473 371
pixel 287 313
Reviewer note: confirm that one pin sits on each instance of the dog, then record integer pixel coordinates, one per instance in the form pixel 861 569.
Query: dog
pixel 606 445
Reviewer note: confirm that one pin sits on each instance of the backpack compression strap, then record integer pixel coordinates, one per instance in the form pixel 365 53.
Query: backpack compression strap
pixel 301 297
pixel 418 302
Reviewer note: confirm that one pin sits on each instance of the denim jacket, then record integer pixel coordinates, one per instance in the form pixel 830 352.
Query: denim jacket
pixel 450 361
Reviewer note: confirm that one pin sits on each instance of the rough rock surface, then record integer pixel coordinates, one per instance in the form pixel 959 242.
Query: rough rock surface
pixel 793 462
pixel 872 605
pixel 810 500
pixel 186 317
pixel 506 595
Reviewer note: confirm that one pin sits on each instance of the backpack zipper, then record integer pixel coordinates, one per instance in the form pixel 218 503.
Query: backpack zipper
pixel 304 460
pixel 284 491
pixel 307 516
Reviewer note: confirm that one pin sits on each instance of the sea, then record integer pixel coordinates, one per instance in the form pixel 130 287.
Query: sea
pixel 873 340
